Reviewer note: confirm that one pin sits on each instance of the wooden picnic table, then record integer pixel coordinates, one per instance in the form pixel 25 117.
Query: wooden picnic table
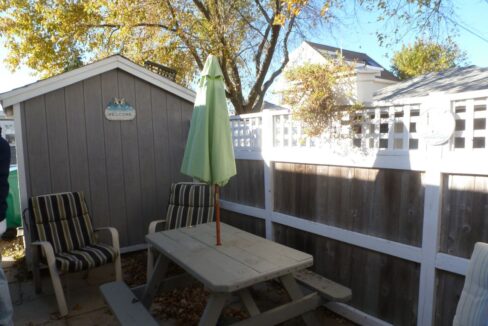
pixel 242 260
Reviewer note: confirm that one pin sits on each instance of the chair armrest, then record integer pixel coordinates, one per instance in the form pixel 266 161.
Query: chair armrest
pixel 114 234
pixel 154 224
pixel 48 251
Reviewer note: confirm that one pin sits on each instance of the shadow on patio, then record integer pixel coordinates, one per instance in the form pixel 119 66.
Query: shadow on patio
pixel 182 306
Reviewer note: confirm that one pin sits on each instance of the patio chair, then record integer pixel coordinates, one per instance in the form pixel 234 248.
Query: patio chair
pixel 60 225
pixel 472 308
pixel 189 204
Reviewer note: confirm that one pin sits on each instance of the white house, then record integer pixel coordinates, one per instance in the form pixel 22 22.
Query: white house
pixel 370 75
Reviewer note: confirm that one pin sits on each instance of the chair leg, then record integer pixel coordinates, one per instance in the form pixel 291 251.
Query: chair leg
pixel 118 268
pixel 58 290
pixel 150 262
pixel 36 271
pixel 53 271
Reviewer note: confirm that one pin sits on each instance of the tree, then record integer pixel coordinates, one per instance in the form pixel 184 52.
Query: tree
pixel 426 56
pixel 320 94
pixel 250 37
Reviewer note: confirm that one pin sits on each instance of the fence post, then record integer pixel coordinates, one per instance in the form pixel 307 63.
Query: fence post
pixel 433 183
pixel 430 244
pixel 266 149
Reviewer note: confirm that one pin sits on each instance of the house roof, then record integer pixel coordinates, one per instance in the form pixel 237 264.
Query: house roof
pixel 113 62
pixel 454 80
pixel 272 106
pixel 359 57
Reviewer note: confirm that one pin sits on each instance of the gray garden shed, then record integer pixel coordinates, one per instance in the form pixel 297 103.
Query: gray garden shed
pixel 112 129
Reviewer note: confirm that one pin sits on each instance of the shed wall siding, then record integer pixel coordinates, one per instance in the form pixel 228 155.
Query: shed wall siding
pixel 125 168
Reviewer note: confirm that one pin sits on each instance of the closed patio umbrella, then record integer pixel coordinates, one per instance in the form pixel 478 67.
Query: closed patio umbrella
pixel 209 154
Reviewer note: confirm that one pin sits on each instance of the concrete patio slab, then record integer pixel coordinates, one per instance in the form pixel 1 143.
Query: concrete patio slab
pixel 87 307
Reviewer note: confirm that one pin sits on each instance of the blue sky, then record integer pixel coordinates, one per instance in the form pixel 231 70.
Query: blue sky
pixel 360 35
pixel 355 35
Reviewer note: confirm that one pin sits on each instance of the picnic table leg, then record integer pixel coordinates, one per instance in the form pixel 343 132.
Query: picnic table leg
pixel 215 304
pixel 249 302
pixel 153 284
pixel 291 286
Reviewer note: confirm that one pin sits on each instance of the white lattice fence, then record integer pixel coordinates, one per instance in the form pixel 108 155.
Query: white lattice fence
pixel 246 132
pixel 471 132
pixel 382 128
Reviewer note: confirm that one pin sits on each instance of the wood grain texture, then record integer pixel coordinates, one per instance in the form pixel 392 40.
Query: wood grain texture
pixel 40 180
pixel 449 288
pixel 114 160
pixel 382 286
pixel 96 151
pixel 147 170
pixel 242 260
pixel 464 214
pixel 130 158
pixel 379 202
pixel 162 145
pixel 175 136
pixel 77 142
pixel 125 168
pixel 247 186
pixel 244 222
pixel 57 133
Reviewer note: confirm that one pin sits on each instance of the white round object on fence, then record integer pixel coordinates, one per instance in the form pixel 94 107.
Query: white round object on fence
pixel 436 126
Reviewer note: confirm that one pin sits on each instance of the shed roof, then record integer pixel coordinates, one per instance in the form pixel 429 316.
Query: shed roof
pixel 359 57
pixel 454 80
pixel 113 62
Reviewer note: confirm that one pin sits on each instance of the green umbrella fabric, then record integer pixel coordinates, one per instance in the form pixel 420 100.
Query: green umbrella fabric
pixel 209 154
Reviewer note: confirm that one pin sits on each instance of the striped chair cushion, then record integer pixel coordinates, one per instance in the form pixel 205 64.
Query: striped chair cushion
pixel 62 219
pixel 85 258
pixel 472 308
pixel 189 204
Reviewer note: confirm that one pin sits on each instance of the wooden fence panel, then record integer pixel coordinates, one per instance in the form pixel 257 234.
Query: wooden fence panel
pixel 449 287
pixel 380 202
pixel 244 222
pixel 383 286
pixel 247 187
pixel 464 214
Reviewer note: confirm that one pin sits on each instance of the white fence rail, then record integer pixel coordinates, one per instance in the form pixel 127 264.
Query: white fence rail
pixel 384 137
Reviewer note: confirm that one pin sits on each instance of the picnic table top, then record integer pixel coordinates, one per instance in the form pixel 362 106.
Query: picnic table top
pixel 242 260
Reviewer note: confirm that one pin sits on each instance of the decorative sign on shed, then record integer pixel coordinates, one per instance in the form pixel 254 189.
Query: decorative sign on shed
pixel 119 109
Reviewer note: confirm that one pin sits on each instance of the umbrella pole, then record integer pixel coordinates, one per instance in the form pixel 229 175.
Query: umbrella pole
pixel 217 214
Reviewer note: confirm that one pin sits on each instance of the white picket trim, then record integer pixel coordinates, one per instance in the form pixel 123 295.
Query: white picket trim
pixel 384 246
pixel 452 264
pixel 243 209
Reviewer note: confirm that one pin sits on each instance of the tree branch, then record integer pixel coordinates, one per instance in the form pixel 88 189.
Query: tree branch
pixel 259 53
pixel 180 34
pixel 204 10
pixel 263 11
pixel 257 106
pixel 118 26
pixel 255 90
pixel 286 57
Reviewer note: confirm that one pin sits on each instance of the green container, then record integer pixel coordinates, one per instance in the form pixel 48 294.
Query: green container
pixel 14 218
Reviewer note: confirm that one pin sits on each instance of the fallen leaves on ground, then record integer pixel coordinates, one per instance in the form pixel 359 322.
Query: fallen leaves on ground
pixel 12 248
pixel 183 305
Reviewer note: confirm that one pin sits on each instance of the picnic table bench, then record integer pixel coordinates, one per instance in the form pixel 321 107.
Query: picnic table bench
pixel 242 261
